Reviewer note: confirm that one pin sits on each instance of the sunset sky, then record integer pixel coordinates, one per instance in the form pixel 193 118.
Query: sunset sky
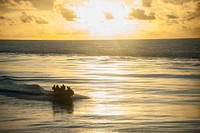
pixel 99 19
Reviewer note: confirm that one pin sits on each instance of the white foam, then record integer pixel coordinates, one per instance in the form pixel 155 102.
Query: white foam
pixel 11 88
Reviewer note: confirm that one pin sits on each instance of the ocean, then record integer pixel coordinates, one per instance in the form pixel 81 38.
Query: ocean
pixel 119 85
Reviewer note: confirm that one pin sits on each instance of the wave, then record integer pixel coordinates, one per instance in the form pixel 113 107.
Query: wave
pixel 10 87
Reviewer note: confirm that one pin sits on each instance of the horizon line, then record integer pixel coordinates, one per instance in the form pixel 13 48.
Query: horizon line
pixel 96 39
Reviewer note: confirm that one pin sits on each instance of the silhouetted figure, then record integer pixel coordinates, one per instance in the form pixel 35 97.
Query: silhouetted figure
pixel 57 88
pixel 63 87
pixel 70 91
pixel 54 88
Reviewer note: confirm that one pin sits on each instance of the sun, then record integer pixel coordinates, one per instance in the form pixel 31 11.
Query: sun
pixel 95 19
pixel 103 18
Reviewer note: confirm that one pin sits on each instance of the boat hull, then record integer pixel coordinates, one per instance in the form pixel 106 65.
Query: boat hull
pixel 62 97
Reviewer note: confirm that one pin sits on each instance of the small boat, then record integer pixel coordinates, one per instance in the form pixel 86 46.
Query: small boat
pixel 63 96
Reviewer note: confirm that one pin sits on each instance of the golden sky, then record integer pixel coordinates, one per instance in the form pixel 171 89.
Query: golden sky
pixel 99 19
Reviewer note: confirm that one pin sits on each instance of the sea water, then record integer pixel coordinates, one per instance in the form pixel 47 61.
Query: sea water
pixel 120 86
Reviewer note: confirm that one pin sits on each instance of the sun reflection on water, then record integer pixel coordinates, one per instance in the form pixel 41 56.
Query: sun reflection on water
pixel 107 109
pixel 104 105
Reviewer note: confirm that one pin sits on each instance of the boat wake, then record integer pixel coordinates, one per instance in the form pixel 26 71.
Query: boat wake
pixel 10 87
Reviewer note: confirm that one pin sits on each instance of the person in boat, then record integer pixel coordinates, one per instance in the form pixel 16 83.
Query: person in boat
pixel 69 91
pixel 53 88
pixel 57 88
pixel 62 88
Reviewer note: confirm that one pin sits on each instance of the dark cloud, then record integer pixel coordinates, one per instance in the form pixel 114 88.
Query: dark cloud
pixel 147 3
pixel 170 16
pixel 39 20
pixel 43 4
pixel 2 20
pixel 16 5
pixel 193 15
pixel 140 14
pixel 67 13
pixel 108 15
pixel 178 2
pixel 26 4
pixel 2 17
pixel 198 7
pixel 6 21
pixel 25 18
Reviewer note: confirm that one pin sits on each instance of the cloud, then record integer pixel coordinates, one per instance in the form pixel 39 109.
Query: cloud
pixel 147 3
pixel 6 21
pixel 16 5
pixel 2 17
pixel 198 7
pixel 196 30
pixel 25 18
pixel 177 2
pixel 66 11
pixel 68 14
pixel 191 15
pixel 140 14
pixel 108 15
pixel 170 16
pixel 2 20
pixel 43 4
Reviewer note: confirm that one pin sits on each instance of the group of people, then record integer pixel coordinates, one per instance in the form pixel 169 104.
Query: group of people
pixel 62 94
pixel 56 88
